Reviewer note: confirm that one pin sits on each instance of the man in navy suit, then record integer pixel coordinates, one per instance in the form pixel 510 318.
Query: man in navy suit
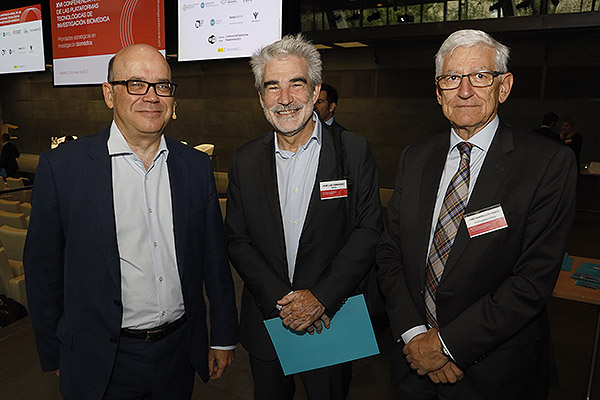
pixel 492 206
pixel 125 230
pixel 326 105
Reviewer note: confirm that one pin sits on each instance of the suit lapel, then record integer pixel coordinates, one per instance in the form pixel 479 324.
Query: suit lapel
pixel 493 172
pixel 180 195
pixel 326 170
pixel 433 166
pixel 269 183
pixel 100 195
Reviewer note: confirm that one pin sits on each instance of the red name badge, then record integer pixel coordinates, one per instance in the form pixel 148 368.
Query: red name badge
pixel 334 189
pixel 485 221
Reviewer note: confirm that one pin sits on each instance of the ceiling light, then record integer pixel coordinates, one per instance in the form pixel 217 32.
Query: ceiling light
pixel 351 44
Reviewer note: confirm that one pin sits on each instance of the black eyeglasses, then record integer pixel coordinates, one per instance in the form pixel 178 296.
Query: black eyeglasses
pixel 477 79
pixel 140 88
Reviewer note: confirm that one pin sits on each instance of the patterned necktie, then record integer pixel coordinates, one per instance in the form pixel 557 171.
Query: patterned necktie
pixel 451 213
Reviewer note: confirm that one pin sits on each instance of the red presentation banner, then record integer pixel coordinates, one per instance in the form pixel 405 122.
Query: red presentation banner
pixel 19 15
pixel 82 28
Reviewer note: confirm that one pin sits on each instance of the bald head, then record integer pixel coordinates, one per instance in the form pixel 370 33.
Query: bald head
pixel 139 115
pixel 132 52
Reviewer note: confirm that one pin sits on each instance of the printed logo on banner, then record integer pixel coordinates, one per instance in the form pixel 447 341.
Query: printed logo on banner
pixel 212 39
pixel 199 23
pixel 255 13
pixel 212 22
pixel 202 5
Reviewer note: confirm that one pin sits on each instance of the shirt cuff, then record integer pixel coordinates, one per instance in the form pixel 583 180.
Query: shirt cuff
pixel 412 332
pixel 232 347
pixel 278 307
pixel 445 349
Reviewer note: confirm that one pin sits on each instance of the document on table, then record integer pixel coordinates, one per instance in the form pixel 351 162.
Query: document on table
pixel 349 337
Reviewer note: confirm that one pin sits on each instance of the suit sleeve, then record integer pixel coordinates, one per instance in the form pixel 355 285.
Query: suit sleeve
pixel 355 258
pixel 400 307
pixel 217 273
pixel 519 299
pixel 264 284
pixel 43 263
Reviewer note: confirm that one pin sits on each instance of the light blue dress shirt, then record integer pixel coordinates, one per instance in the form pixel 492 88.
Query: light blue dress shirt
pixel 150 285
pixel 481 143
pixel 296 175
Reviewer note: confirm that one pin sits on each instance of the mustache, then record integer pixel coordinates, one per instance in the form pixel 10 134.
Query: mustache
pixel 290 107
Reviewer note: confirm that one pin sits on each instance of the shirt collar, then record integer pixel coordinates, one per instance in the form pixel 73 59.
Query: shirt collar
pixel 316 136
pixel 329 121
pixel 117 145
pixel 482 139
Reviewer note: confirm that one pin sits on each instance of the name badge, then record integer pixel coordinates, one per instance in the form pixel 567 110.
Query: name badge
pixel 485 221
pixel 334 189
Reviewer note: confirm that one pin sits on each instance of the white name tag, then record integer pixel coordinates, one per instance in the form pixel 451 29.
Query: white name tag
pixel 485 221
pixel 334 189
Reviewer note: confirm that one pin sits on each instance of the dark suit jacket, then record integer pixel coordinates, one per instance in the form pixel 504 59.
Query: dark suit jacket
pixel 547 132
pixel 72 262
pixel 332 257
pixel 493 291
pixel 336 125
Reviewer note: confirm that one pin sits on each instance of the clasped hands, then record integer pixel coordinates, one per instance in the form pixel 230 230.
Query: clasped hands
pixel 424 354
pixel 300 311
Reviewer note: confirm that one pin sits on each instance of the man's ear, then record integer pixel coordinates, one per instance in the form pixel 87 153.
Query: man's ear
pixel 107 91
pixel 505 86
pixel 332 107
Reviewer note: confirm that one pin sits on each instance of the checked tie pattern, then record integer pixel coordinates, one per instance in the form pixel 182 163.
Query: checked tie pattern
pixel 451 213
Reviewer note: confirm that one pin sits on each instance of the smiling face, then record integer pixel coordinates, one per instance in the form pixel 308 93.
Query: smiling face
pixel 139 117
pixel 287 98
pixel 470 109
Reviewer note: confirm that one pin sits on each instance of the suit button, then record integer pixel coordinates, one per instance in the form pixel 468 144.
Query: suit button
pixel 118 302
pixel 112 340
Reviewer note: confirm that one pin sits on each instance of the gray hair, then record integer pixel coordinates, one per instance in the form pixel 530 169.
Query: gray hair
pixel 470 38
pixel 290 45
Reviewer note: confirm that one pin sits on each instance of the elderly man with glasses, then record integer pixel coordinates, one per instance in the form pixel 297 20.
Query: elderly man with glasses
pixel 125 231
pixel 477 229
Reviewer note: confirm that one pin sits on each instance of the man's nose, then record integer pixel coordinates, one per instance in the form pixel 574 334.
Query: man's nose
pixel 285 97
pixel 465 90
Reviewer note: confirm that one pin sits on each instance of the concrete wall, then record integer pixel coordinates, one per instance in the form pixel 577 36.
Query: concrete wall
pixel 386 95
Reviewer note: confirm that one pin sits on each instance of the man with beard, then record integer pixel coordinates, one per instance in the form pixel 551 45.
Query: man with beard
pixel 300 248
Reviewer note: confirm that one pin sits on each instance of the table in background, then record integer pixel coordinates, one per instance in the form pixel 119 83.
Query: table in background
pixel 566 289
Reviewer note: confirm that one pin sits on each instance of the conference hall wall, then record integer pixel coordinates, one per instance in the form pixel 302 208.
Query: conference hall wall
pixel 386 94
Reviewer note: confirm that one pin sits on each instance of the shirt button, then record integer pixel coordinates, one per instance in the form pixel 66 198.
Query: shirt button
pixel 146 177
pixel 160 279
pixel 163 313
pixel 296 222
pixel 296 190
pixel 155 244
pixel 150 210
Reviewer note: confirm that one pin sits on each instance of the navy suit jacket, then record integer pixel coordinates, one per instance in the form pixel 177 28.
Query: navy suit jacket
pixel 72 266
pixel 492 294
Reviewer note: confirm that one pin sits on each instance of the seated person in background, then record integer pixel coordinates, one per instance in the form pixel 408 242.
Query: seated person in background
pixel 8 156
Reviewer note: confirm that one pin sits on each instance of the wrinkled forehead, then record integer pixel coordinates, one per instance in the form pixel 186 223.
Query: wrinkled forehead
pixel 470 59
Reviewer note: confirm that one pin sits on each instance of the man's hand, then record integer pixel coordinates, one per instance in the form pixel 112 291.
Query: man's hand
pixel 318 325
pixel 218 361
pixel 424 352
pixel 449 373
pixel 300 309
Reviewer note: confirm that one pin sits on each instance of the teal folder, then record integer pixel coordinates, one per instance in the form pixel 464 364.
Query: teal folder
pixel 349 337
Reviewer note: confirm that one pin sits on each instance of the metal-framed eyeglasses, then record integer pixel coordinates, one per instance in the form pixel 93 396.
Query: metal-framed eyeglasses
pixel 140 88
pixel 477 79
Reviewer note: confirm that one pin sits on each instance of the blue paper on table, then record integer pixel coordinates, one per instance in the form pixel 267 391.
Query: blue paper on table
pixel 349 337
pixel 587 284
pixel 567 262
pixel 588 272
